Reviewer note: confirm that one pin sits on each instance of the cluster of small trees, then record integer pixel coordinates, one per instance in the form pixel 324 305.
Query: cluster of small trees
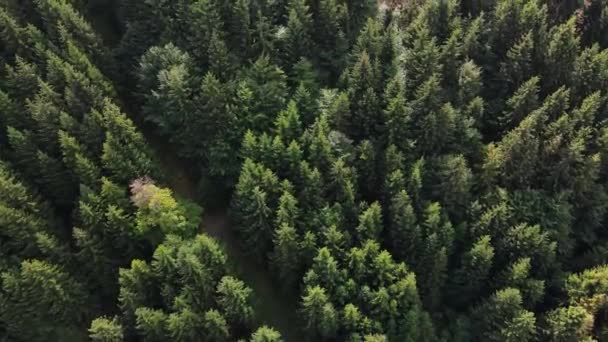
pixel 410 170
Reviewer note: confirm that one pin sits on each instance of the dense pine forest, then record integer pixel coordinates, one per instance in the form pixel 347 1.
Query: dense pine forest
pixel 303 170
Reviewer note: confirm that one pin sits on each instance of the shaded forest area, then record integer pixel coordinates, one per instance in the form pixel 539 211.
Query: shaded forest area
pixel 396 171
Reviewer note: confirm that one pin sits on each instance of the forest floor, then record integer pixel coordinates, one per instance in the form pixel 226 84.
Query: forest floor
pixel 272 307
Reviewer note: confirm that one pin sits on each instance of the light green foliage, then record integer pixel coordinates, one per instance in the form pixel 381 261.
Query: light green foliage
pixel 152 324
pixel 234 298
pixel 158 209
pixel 589 288
pixel 319 314
pixel 324 270
pixel 266 334
pixel 370 223
pixel 288 124
pixel 572 323
pixel 215 326
pixel 518 275
pixel 106 330
pixel 470 82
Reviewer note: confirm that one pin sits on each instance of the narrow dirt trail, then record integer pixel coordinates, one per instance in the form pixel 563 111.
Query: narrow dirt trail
pixel 272 307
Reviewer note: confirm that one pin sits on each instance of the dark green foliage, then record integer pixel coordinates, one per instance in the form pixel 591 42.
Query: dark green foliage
pixel 502 318
pixel 404 232
pixel 404 170
pixel 332 36
pixel 40 301
pixel 363 79
pixel 358 12
pixel 200 27
pixel 297 41
pixel 470 279
pixel 26 221
pixel 186 281
pixel 252 208
pixel 125 152
pixel 268 92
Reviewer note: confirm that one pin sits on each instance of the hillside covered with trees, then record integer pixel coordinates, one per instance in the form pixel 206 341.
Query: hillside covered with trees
pixel 424 170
